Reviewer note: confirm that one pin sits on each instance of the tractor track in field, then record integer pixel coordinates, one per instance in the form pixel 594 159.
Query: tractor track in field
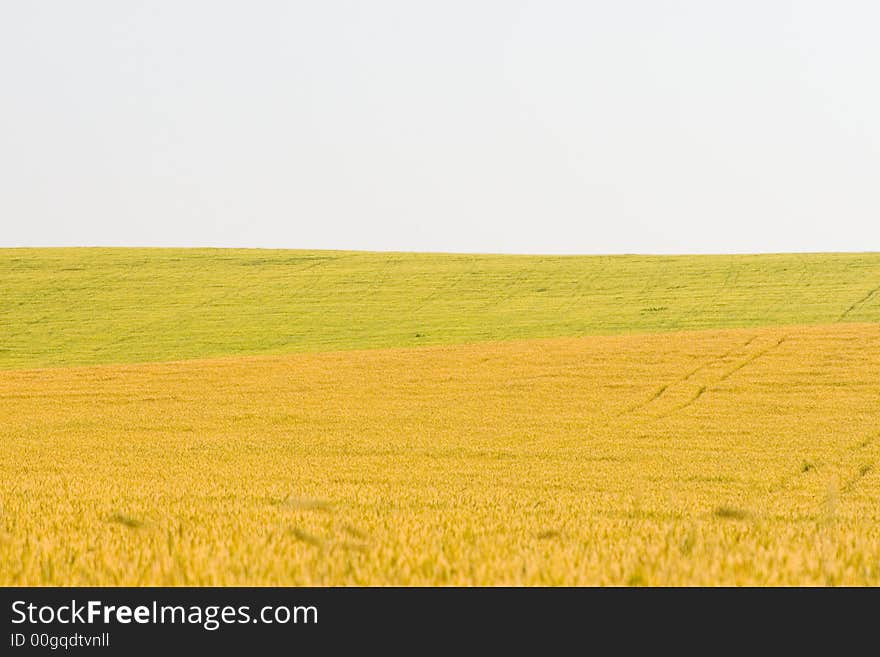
pixel 703 384
pixel 700 392
pixel 712 300
pixel 451 284
pixel 753 358
pixel 717 359
pixel 48 317
pixel 212 301
pixel 509 293
pixel 582 287
pixel 787 299
pixel 684 379
pixel 859 304
pixel 851 454
pixel 866 468
pixel 380 277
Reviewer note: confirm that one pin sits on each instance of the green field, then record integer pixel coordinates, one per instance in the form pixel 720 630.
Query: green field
pixel 61 307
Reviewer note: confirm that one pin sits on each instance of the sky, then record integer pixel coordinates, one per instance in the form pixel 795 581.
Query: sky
pixel 625 126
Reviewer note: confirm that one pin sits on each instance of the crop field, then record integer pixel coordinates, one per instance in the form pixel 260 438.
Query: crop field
pixel 286 418
pixel 61 307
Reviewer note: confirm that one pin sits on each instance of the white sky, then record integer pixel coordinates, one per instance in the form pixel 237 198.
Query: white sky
pixel 545 127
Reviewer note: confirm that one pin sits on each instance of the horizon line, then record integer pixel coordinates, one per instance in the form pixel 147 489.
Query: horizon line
pixel 442 252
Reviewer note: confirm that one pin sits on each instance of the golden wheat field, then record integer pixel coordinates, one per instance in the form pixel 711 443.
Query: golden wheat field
pixel 736 456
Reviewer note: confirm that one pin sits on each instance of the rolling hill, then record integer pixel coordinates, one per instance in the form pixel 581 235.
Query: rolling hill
pixel 62 307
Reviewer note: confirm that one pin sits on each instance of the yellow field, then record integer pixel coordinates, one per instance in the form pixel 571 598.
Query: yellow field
pixel 739 456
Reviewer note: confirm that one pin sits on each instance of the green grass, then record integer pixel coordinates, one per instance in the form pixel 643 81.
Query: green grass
pixel 87 306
